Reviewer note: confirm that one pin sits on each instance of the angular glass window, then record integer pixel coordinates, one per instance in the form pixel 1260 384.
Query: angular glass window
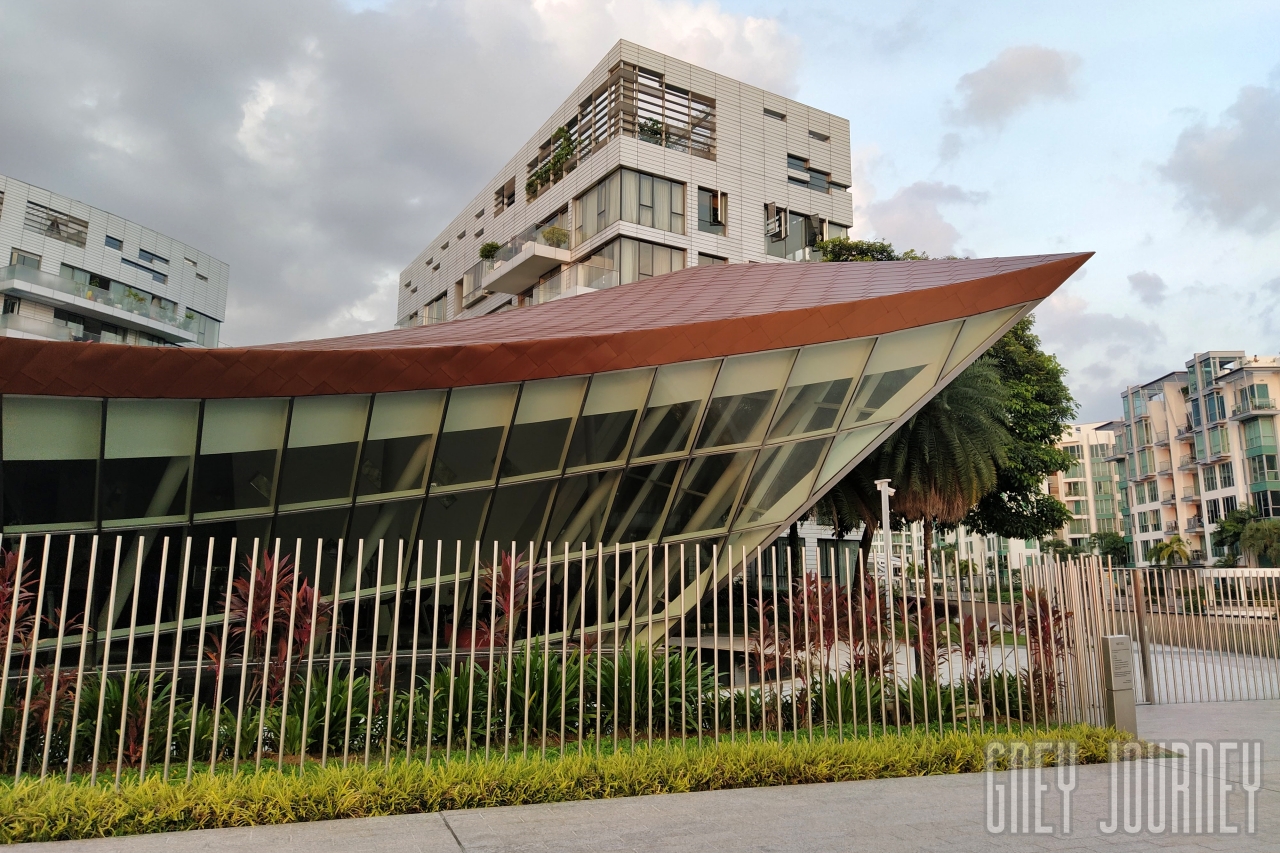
pixel 581 502
pixel 147 459
pixel 387 523
pixel 845 449
pixel 50 460
pixel 474 427
pixel 516 516
pixel 453 521
pixel 743 399
pixel 239 447
pixel 781 482
pixel 613 402
pixel 707 493
pixel 402 430
pixel 902 368
pixel 818 386
pixel 324 443
pixel 975 332
pixel 642 497
pixel 679 393
pixel 545 413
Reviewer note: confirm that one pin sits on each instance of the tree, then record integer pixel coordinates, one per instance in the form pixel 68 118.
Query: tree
pixel 843 249
pixel 1108 543
pixel 1039 407
pixel 1262 539
pixel 1231 528
pixel 1169 551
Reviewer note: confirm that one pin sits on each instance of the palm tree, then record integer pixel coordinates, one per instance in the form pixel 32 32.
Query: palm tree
pixel 1169 551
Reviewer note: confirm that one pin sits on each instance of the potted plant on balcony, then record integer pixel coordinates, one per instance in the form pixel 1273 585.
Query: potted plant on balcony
pixel 555 236
pixel 489 250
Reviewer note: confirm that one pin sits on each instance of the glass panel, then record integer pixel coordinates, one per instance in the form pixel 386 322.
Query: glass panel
pixel 630 196
pixel 579 511
pixel 450 519
pixel 744 396
pixel 50 459
pixel 516 516
pixel 707 493
pixel 642 496
pixel 819 383
pixel 324 439
pixel 679 391
pixel 147 458
pixel 473 430
pixel 845 449
pixel 902 369
pixel 389 523
pixel 546 411
pixel 781 482
pixel 975 332
pixel 401 429
pixel 608 416
pixel 239 443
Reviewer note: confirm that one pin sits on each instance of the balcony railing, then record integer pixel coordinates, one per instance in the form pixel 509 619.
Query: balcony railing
pixel 1164 468
pixel 1168 497
pixel 573 280
pixel 1189 494
pixel 1162 436
pixel 1187 460
pixel 1195 523
pixel 1185 431
pixel 130 300
pixel 1171 527
pixel 32 326
pixel 1248 406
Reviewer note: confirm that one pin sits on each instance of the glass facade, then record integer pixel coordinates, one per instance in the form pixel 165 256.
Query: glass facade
pixel 728 447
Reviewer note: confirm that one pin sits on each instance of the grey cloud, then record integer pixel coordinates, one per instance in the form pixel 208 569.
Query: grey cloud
pixel 1017 78
pixel 1230 171
pixel 314 148
pixel 1149 287
pixel 911 218
pixel 950 147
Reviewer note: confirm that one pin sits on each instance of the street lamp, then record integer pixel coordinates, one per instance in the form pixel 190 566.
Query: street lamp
pixel 885 493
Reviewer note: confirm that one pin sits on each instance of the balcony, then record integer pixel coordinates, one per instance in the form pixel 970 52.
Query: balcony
pixel 128 307
pixel 1171 527
pixel 17 326
pixel 579 278
pixel 1250 408
pixel 1164 468
pixel 1187 462
pixel 1195 524
pixel 524 259
pixel 1185 433
pixel 1190 495
pixel 1162 437
pixel 1168 498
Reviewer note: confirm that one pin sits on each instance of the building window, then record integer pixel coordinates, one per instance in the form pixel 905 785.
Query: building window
pixel 59 226
pixel 630 197
pixel 713 211
pixel 775 114
pixel 1259 432
pixel 1226 475
pixel 791 235
pixel 635 260
pixel 1153 491
pixel 19 258
pixel 705 260
pixel 1210 477
pixel 435 311
pixel 816 180
pixel 115 243
pixel 189 262
pixel 1262 469
pixel 1195 414
pixel 1215 407
pixel 201 277
pixel 11 305
pixel 1079 507
pixel 152 257
pixel 158 277
pixel 1219 441
pixel 1213 510
pixel 503 197
pixel 1075 489
pixel 821 137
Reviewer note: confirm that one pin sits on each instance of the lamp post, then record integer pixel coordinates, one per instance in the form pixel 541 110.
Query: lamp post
pixel 885 493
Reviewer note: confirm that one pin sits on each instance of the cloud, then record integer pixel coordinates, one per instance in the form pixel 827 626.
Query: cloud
pixel 911 218
pixel 1230 171
pixel 1149 287
pixel 1013 81
pixel 317 146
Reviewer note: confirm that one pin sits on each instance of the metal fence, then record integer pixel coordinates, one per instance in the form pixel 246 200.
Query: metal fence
pixel 176 656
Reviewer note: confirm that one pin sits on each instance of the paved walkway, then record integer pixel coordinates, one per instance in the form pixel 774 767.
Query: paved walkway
pixel 942 813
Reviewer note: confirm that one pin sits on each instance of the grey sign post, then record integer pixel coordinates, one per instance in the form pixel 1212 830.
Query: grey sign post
pixel 1117 683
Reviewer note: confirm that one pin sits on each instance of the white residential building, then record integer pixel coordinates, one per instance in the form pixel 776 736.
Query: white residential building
pixel 1089 488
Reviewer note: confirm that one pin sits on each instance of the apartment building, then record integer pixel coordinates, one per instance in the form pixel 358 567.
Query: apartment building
pixel 78 273
pixel 1090 486
pixel 649 166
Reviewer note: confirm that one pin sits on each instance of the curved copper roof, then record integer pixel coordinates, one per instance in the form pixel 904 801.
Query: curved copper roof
pixel 701 312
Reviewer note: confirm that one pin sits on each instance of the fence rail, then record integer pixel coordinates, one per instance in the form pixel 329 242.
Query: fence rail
pixel 177 656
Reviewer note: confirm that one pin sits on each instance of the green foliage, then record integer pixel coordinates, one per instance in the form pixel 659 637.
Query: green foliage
pixel 1039 407
pixel 1261 539
pixel 555 236
pixel 1108 543
pixel 551 171
pixel 56 810
pixel 489 250
pixel 1231 528
pixel 1170 551
pixel 843 249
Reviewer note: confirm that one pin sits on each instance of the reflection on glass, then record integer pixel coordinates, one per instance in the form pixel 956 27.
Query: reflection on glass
pixel 398 448
pixel 474 426
pixel 679 391
pixel 743 398
pixel 388 523
pixel 975 332
pixel 608 416
pixel 581 502
pixel 311 526
pixel 147 458
pixel 902 368
pixel 50 459
pixel 707 492
pixel 324 438
pixel 517 515
pixel 844 449
pixel 239 443
pixel 642 496
pixel 451 519
pixel 547 409
pixel 781 482
pixel 818 385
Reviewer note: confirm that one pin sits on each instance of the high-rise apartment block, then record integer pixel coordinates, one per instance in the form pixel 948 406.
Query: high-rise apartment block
pixel 77 273
pixel 1195 445
pixel 651 165
pixel 1090 487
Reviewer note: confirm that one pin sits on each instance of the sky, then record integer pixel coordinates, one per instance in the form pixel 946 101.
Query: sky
pixel 317 145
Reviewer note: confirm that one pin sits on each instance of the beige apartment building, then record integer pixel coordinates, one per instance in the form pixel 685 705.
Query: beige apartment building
pixel 1090 487
pixel 649 166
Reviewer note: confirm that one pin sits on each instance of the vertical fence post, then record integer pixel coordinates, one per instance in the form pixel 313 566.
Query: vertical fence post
pixel 84 640
pixel 1144 644
pixel 56 674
